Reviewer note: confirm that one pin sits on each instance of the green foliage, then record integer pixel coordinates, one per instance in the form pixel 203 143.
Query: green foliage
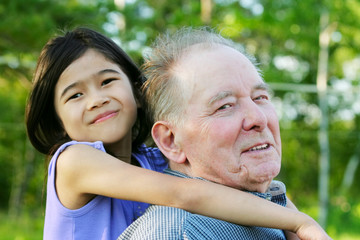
pixel 344 217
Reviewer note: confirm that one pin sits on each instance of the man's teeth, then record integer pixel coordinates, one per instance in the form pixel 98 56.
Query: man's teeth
pixel 260 147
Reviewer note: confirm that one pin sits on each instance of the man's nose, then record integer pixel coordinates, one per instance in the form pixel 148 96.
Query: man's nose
pixel 254 117
pixel 97 100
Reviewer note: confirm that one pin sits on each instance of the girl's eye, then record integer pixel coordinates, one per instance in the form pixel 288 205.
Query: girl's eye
pixel 74 96
pixel 107 81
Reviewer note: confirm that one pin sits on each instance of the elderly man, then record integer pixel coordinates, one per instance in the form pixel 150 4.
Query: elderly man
pixel 213 120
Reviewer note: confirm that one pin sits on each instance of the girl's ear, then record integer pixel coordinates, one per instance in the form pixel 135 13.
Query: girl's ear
pixel 165 138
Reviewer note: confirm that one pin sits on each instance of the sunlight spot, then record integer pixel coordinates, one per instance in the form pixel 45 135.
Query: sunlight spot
pixel 288 63
pixel 352 68
pixel 336 36
pixel 257 9
pixel 295 29
pixel 290 44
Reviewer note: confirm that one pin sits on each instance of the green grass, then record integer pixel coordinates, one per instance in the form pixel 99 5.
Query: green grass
pixel 24 228
pixel 343 224
pixel 347 237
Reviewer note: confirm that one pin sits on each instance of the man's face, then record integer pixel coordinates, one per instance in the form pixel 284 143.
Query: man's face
pixel 231 132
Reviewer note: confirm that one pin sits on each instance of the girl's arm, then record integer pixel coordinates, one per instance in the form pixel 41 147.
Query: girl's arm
pixel 291 235
pixel 83 172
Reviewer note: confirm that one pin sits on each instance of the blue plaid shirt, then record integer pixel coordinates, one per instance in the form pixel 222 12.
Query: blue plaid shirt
pixel 160 222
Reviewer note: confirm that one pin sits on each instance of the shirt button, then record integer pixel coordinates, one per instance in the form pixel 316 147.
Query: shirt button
pixel 268 197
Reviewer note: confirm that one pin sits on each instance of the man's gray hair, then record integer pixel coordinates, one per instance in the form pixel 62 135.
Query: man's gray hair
pixel 164 93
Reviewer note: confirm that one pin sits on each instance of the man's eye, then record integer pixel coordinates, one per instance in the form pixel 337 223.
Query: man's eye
pixel 107 81
pixel 262 97
pixel 224 106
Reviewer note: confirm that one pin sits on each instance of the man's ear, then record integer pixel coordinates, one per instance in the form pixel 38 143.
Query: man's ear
pixel 165 138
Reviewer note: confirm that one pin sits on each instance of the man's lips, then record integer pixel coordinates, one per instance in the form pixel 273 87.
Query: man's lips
pixel 104 116
pixel 258 147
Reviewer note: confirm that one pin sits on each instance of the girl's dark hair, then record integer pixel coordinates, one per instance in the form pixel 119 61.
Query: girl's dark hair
pixel 44 128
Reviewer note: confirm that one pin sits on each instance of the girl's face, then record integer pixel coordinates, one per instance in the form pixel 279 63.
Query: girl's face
pixel 95 101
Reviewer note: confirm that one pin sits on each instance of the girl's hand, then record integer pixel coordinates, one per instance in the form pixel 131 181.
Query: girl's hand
pixel 309 229
pixel 312 231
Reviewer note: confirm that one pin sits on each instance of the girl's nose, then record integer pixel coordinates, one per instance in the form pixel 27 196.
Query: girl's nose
pixel 97 100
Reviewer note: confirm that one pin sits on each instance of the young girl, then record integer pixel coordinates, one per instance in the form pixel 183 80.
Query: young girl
pixel 86 102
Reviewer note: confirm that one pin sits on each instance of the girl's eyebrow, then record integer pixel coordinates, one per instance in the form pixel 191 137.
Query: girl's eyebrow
pixel 108 70
pixel 104 71
pixel 68 88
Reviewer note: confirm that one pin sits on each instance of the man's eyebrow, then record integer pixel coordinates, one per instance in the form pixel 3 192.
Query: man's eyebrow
pixel 224 94
pixel 219 96
pixel 262 86
pixel 104 71
pixel 265 87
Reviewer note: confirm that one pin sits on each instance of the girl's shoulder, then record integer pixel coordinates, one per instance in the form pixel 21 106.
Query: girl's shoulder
pixel 98 145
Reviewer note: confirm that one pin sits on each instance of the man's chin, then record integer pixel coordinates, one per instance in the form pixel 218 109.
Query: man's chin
pixel 259 186
pixel 264 174
pixel 256 178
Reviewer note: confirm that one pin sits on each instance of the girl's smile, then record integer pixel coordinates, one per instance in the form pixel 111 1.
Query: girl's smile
pixel 104 116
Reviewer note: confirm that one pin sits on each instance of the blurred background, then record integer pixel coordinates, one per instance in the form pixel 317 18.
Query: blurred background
pixel 309 53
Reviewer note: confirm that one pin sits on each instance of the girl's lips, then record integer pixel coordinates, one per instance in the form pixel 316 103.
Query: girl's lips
pixel 104 116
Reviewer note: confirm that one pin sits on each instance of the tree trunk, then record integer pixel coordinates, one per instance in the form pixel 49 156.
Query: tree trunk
pixel 323 138
pixel 350 170
pixel 206 8
pixel 23 169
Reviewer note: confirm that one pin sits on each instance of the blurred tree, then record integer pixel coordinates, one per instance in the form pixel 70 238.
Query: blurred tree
pixel 282 34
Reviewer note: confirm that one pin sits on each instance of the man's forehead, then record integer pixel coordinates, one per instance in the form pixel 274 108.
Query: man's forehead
pixel 200 49
pixel 207 67
pixel 196 59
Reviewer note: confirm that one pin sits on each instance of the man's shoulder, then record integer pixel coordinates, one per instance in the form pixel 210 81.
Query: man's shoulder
pixel 167 223
pixel 158 222
pixel 203 227
pixel 165 212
